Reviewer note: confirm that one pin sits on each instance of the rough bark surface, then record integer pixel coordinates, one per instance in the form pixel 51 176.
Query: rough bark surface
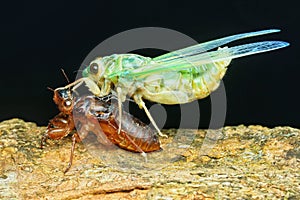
pixel 242 162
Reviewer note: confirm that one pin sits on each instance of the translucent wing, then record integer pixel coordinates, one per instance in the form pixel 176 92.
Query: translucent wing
pixel 185 62
pixel 200 48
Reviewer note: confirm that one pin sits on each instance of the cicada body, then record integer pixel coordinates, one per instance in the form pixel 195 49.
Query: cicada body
pixel 170 87
pixel 177 77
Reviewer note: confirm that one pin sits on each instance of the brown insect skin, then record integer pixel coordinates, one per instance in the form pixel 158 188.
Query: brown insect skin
pixel 62 124
pixel 92 114
pixel 135 135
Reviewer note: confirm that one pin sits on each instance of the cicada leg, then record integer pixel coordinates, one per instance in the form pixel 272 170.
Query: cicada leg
pixel 91 85
pixel 119 92
pixel 138 99
pixel 75 138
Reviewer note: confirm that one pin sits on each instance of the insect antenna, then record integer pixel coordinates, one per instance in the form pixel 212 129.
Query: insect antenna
pixel 76 71
pixel 65 75
pixel 49 88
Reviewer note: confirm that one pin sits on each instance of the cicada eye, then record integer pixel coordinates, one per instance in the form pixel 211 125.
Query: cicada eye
pixel 94 68
pixel 68 103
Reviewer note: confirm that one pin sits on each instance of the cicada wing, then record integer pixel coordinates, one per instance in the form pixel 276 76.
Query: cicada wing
pixel 200 48
pixel 187 62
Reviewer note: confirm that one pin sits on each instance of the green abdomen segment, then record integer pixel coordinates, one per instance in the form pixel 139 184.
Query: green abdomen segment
pixel 209 80
pixel 184 86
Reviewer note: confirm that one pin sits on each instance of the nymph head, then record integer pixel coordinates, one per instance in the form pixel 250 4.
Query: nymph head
pixel 64 100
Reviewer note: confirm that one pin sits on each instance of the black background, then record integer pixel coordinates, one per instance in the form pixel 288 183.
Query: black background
pixel 39 38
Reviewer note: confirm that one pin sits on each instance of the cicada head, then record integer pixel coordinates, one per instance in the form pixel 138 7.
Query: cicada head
pixel 64 100
pixel 95 70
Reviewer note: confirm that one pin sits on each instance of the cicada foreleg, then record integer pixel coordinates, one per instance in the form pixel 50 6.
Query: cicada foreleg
pixel 139 101
pixel 91 85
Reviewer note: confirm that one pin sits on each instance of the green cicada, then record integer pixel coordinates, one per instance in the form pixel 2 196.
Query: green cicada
pixel 177 77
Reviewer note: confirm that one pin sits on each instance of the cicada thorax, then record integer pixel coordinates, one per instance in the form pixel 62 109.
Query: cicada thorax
pixel 108 66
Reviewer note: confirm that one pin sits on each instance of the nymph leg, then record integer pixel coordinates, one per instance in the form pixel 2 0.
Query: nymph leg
pixel 75 138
